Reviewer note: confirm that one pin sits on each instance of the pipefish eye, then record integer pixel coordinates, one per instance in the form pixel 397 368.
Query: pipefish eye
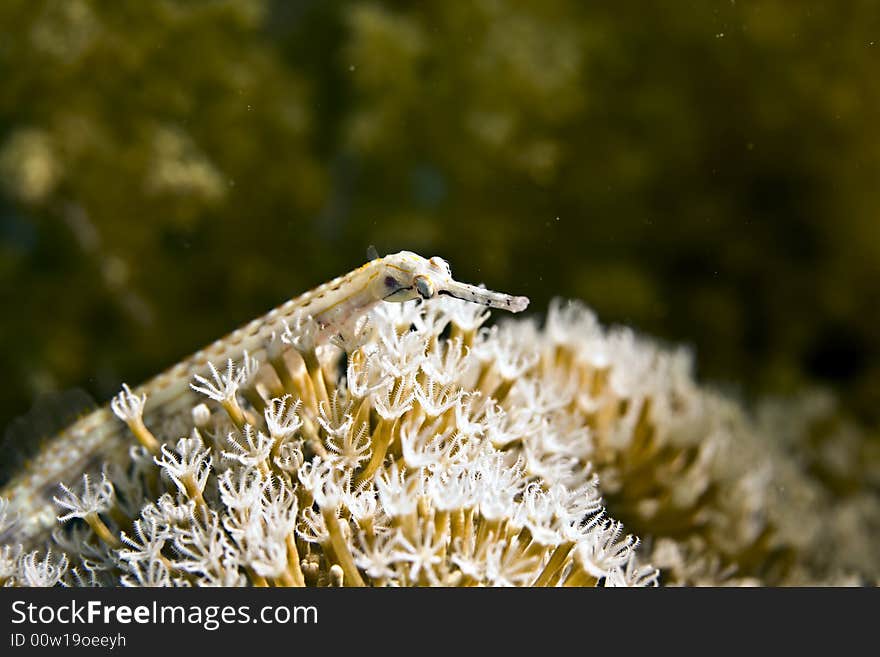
pixel 391 282
pixel 424 287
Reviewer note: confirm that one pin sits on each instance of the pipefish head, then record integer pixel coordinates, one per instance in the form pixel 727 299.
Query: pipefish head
pixel 409 276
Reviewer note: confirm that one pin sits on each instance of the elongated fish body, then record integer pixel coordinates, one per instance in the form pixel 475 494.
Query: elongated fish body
pixel 102 437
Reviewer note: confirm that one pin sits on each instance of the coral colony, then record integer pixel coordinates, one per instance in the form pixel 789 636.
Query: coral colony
pixel 429 449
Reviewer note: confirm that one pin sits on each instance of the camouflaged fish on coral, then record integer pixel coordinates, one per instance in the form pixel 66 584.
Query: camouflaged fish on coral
pixel 330 311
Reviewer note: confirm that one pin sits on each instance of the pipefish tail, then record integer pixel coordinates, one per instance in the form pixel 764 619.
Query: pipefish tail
pixel 334 308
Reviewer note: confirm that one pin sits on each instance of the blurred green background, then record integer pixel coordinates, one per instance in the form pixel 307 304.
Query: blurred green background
pixel 706 172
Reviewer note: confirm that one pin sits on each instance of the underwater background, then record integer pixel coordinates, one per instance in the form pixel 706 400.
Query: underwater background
pixel 706 173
